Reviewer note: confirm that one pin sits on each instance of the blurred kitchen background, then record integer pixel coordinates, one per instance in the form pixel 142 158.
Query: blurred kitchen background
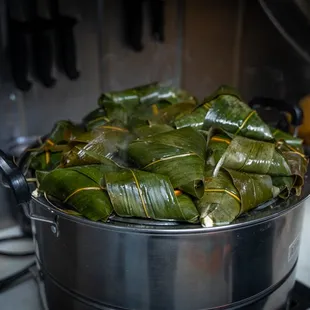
pixel 204 43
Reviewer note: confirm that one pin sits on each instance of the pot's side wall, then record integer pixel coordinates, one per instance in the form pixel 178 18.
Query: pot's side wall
pixel 141 270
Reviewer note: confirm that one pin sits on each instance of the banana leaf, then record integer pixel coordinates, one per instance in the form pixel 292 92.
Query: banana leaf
pixel 97 113
pixel 247 155
pixel 298 163
pixel 194 119
pixel 148 195
pixel 172 113
pixel 197 117
pixel 120 105
pixel 284 185
pixel 63 131
pixel 46 161
pixel 95 119
pixel 47 156
pixel 163 114
pixel 223 90
pixel 101 145
pixel 231 193
pixel 229 113
pixel 80 188
pixel 178 154
pixel 151 130
pixel 280 135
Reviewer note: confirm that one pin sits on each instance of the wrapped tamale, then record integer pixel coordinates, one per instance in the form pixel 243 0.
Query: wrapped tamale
pixel 196 118
pixel 135 193
pixel 100 145
pixel 155 152
pixel 120 105
pixel 280 135
pixel 82 188
pixel 151 130
pixel 164 115
pixel 178 154
pixel 243 154
pixel 227 111
pixel 297 161
pixel 95 118
pixel 48 155
pixel 231 193
pixel 247 155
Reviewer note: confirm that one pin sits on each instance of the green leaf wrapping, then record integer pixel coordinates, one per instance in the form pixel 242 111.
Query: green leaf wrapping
pixel 288 138
pixel 48 155
pixel 194 119
pixel 160 113
pixel 95 119
pixel 81 188
pixel 120 105
pixel 228 112
pixel 297 162
pixel 178 154
pixel 164 132
pixel 148 195
pixel 151 130
pixel 247 155
pixel 64 131
pixel 284 185
pixel 98 146
pixel 279 159
pixel 45 161
pixel 230 194
pixel 93 115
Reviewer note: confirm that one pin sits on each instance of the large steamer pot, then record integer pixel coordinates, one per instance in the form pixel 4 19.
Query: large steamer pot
pixel 141 265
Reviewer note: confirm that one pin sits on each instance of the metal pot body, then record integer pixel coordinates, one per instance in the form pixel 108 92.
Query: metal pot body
pixel 58 297
pixel 129 267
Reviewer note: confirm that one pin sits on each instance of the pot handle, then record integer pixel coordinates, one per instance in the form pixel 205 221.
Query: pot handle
pixel 15 179
pixel 280 105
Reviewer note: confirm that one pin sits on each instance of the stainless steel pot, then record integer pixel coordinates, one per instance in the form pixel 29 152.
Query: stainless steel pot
pixel 136 264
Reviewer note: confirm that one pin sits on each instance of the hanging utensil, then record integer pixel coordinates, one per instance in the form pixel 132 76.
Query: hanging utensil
pixel 42 45
pixel 18 30
pixel 133 24
pixel 157 15
pixel 66 46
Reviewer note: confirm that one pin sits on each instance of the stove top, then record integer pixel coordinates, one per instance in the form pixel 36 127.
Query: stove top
pixel 300 297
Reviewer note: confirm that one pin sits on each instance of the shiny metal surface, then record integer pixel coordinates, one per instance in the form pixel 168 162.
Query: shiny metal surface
pixel 60 298
pixel 129 266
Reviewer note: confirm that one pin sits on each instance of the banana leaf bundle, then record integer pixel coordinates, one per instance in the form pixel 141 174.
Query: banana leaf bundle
pixel 227 111
pixel 155 152
pixel 120 105
pixel 194 119
pixel 178 154
pixel 48 155
pixel 151 130
pixel 148 195
pixel 280 135
pixel 82 188
pixel 159 114
pixel 97 117
pixel 101 145
pixel 252 156
pixel 231 193
pixel 298 163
